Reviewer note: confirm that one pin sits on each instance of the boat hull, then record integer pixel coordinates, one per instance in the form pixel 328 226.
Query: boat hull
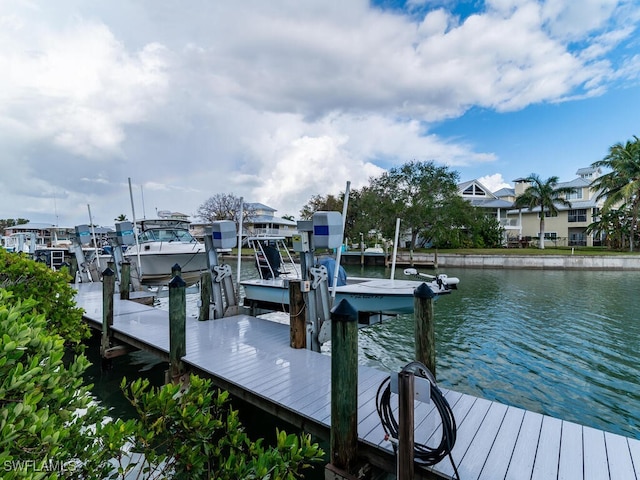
pixel 363 294
pixel 157 263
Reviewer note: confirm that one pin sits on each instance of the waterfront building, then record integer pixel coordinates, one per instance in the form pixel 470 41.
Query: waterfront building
pixel 567 228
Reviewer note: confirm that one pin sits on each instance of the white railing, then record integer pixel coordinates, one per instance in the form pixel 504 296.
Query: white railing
pixel 510 222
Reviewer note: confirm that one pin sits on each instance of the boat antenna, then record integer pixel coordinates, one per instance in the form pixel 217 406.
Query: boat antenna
pixel 144 213
pixel 395 249
pixel 93 234
pixel 240 214
pixel 135 228
pixel 336 270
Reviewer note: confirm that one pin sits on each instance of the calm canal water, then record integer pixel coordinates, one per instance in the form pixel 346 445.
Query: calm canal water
pixel 562 343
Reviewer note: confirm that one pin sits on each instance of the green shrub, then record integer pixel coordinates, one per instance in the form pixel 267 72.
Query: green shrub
pixel 46 414
pixel 27 278
pixel 192 432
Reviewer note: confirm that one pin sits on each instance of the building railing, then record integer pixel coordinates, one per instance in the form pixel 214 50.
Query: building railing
pixel 510 222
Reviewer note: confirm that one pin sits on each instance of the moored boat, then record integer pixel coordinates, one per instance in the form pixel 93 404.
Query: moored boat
pixel 374 295
pixel 163 243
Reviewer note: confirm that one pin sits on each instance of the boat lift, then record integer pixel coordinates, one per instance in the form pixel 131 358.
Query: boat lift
pixel 221 235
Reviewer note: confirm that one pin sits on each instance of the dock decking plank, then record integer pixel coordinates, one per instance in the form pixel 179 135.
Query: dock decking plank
pixel 499 457
pixel 473 461
pixel 571 455
pixel 596 465
pixel 619 456
pixel 524 452
pixel 548 453
pixel 634 450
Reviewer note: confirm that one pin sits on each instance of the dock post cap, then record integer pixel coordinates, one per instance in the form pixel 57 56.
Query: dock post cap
pixel 423 291
pixel 108 272
pixel 177 282
pixel 344 312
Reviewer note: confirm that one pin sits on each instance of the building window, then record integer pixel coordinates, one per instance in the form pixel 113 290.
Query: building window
pixel 549 235
pixel 575 195
pixel 578 215
pixel 474 191
pixel 577 239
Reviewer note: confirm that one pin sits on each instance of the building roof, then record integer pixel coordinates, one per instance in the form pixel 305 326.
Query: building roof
pixel 575 183
pixel 272 219
pixel 260 206
pixel 474 186
pixel 34 226
pixel 505 192
pixel 489 202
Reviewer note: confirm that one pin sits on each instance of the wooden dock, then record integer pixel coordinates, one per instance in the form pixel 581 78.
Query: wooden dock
pixel 251 358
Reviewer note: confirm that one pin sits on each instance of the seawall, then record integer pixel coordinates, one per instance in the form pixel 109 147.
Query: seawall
pixel 550 262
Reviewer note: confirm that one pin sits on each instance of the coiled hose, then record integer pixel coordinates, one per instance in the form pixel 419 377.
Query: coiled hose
pixel 423 454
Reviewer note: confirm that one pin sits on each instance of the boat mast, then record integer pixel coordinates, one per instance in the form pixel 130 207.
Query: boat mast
pixel 135 227
pixel 395 249
pixel 240 213
pixel 93 234
pixel 336 270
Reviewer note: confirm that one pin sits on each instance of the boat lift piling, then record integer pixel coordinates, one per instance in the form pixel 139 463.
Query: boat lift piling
pixel 424 327
pixel 222 299
pixel 297 321
pixel 177 325
pixel 344 387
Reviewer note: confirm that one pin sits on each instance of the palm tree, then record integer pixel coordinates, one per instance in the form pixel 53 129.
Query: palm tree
pixel 622 183
pixel 543 194
pixel 121 218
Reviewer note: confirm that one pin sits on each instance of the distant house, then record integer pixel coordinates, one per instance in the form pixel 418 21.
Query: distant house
pixel 261 222
pixel 568 228
pixel 494 204
pixel 264 222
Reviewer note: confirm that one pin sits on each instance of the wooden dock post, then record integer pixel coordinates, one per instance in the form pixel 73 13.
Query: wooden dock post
pixel 125 281
pixel 177 325
pixel 297 319
pixel 108 290
pixel 205 296
pixel 344 386
pixel 425 344
pixel 406 392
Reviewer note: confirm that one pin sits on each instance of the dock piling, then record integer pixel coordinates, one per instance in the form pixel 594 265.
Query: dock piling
pixel 344 386
pixel 425 343
pixel 205 296
pixel 406 392
pixel 125 280
pixel 297 319
pixel 108 290
pixel 177 324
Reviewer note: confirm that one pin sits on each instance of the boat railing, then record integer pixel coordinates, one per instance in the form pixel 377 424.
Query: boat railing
pixel 273 258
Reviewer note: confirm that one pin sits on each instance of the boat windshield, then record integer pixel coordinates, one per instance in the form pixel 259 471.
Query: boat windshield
pixel 166 235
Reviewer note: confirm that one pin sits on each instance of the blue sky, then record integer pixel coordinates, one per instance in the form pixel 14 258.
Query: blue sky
pixel 279 101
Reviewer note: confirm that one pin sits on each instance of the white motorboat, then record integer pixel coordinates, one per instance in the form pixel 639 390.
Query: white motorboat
pixel 163 243
pixel 374 295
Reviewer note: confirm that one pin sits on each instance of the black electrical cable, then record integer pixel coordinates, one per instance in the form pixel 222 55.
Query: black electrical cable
pixel 423 454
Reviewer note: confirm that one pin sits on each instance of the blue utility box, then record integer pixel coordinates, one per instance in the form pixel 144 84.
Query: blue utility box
pixel 223 233
pixel 327 230
pixel 124 233
pixel 83 234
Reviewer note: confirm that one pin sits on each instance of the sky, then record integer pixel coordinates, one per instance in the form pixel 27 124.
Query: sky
pixel 281 100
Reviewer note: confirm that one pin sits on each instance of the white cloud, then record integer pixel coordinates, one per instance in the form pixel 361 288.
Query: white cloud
pixel 494 182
